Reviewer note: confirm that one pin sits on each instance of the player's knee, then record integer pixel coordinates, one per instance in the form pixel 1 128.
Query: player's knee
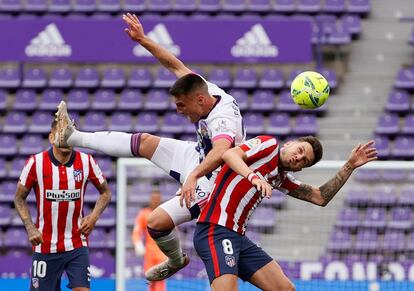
pixel 160 220
pixel 288 286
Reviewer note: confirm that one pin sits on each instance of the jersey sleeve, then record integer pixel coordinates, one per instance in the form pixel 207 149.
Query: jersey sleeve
pixel 259 147
pixel 290 183
pixel 95 174
pixel 28 175
pixel 223 127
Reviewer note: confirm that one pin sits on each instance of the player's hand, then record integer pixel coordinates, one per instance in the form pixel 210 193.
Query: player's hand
pixel 87 224
pixel 362 154
pixel 263 187
pixel 35 237
pixel 135 30
pixel 188 191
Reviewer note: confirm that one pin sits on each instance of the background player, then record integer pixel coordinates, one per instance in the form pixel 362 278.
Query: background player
pixel 152 254
pixel 250 173
pixel 60 236
pixel 219 127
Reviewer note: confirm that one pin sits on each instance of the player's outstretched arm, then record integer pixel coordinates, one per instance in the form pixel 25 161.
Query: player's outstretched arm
pixel 20 203
pixel 360 155
pixel 135 31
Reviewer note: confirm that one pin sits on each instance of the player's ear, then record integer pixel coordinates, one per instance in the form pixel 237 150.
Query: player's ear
pixel 51 137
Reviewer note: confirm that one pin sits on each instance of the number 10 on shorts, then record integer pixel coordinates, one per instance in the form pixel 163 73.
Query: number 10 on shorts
pixel 39 269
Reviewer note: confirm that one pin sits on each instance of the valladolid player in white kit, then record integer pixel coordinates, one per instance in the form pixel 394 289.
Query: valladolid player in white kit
pixel 195 165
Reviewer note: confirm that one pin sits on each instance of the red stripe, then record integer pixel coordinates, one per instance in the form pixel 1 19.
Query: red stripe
pixel 76 238
pixel 213 250
pixel 47 205
pixel 62 210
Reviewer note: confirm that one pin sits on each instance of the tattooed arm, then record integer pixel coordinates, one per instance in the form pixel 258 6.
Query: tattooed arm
pixel 22 209
pixel 360 155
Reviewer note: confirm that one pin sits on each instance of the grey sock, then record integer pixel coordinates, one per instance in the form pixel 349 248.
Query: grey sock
pixel 170 246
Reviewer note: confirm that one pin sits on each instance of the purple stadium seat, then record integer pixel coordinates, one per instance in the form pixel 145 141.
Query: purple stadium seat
pixel 220 76
pixel 340 240
pixel 262 100
pixel 410 242
pixel 352 23
pixel 383 197
pixel 305 125
pixel 401 218
pixel 393 241
pixel 16 238
pixel 334 6
pixel 388 124
pixel 284 6
pixel 209 6
pixel 366 240
pixel 102 264
pixel 91 193
pixel 15 122
pixel 31 144
pixel 368 175
pixel 382 144
pixel 34 77
pixel 36 6
pixel 405 78
pixel 3 170
pixel 21 262
pixel 147 122
pixel 8 145
pixel 60 6
pixel 241 97
pixel 253 123
pixel 234 6
pixel 139 192
pixel 11 6
pixel 97 238
pixel 403 147
pixel 185 5
pixel 111 239
pixel 408 125
pixel 271 79
pixel 172 123
pixel 3 101
pixel 157 99
pixel 78 100
pixel 374 218
pixel 106 166
pixel 286 103
pixel 394 176
pixel 87 77
pixel 277 200
pixel 130 100
pixel 121 121
pixel 398 102
pixel 9 76
pixel 104 100
pixel 348 217
pixel 160 5
pixel 25 100
pixel 7 191
pixel 263 218
pixel 339 35
pixel 40 122
pixel 140 78
pixel 135 5
pixel 279 124
pixel 16 167
pixel 107 217
pixel 331 77
pixel 245 78
pixel 406 197
pixel 164 78
pixel 358 196
pixel 109 6
pixel 309 6
pixel 5 214
pixel 113 77
pixel 61 78
pixel 84 6
pixel 359 6
pixel 259 5
pixel 292 75
pixel 50 99
pixel 94 121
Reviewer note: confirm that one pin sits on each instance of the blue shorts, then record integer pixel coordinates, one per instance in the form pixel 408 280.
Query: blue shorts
pixel 47 269
pixel 224 251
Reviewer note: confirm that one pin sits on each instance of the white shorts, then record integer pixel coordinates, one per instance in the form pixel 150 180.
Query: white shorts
pixel 179 158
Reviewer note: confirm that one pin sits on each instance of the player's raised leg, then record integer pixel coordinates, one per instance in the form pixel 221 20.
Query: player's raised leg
pixel 271 278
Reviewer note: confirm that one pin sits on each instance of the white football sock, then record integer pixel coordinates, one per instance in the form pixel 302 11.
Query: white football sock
pixel 170 246
pixel 113 143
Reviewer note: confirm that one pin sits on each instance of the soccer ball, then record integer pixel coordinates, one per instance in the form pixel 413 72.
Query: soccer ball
pixel 309 90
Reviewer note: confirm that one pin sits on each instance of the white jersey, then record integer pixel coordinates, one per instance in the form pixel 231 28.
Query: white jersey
pixel 223 121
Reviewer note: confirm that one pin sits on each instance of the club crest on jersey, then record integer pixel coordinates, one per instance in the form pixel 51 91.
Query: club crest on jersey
pixel 77 174
pixel 222 126
pixel 251 143
pixel 230 261
pixel 35 283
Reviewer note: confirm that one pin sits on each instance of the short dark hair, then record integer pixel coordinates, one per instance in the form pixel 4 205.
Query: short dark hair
pixel 187 84
pixel 316 146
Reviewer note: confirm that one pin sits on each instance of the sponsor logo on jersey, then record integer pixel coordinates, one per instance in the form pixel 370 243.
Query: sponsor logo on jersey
pixel 63 195
pixel 254 43
pixel 48 43
pixel 160 35
pixel 251 143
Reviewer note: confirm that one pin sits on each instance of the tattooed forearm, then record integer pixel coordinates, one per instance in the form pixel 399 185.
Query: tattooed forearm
pixel 330 188
pixel 21 206
pixel 304 192
pixel 103 199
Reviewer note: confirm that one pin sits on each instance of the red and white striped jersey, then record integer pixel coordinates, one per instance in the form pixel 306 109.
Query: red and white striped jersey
pixel 234 198
pixel 59 193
